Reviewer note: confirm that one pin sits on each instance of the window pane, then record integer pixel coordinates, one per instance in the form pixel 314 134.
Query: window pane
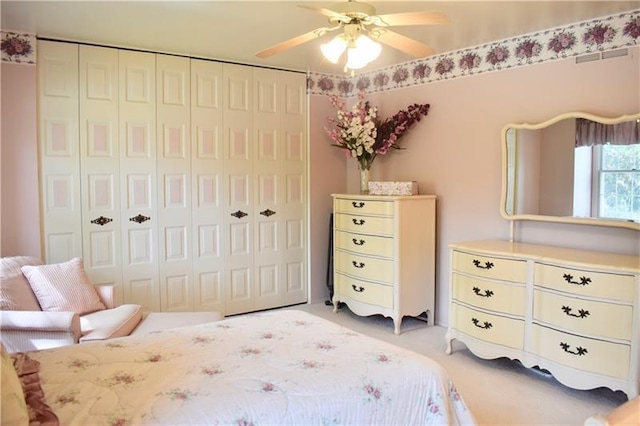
pixel 621 157
pixel 619 196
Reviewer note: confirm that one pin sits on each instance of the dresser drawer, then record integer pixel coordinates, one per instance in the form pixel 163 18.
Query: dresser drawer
pixel 366 207
pixel 490 328
pixel 364 224
pixel 490 267
pixel 364 291
pixel 492 295
pixel 365 244
pixel 594 318
pixel 585 283
pixel 367 268
pixel 596 356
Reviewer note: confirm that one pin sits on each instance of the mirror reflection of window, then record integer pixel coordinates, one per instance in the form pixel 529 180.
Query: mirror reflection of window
pixel 618 181
pixel 610 155
pixel 566 172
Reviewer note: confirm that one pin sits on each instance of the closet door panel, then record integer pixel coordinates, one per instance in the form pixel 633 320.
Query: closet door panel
pixel 174 179
pixel 293 144
pixel 269 195
pixel 59 151
pixel 138 178
pixel 207 193
pixel 238 188
pixel 100 166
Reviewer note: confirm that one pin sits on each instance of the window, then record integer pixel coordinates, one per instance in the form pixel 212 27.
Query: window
pixel 617 180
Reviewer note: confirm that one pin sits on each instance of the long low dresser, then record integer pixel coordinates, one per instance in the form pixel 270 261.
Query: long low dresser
pixel 574 313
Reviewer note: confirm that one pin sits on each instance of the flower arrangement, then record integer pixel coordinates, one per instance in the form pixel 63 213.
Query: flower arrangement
pixel 363 135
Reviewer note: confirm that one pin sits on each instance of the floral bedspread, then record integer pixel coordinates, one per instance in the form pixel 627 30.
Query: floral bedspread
pixel 276 367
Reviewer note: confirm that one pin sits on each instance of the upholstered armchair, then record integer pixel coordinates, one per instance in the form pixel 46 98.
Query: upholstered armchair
pixel 55 305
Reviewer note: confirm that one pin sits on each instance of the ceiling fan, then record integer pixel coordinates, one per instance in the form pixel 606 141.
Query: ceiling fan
pixel 361 26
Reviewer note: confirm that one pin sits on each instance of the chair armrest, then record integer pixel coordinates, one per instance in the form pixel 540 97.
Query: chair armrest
pixel 40 321
pixel 23 331
pixel 107 295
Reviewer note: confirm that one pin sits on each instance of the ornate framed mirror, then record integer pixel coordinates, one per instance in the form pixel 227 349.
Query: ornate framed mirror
pixel 574 168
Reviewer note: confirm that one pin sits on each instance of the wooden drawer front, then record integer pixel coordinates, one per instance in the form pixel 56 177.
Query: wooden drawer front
pixel 490 328
pixel 367 268
pixel 364 291
pixel 585 354
pixel 366 207
pixel 492 295
pixel 490 267
pixel 583 316
pixel 586 283
pixel 365 244
pixel 364 224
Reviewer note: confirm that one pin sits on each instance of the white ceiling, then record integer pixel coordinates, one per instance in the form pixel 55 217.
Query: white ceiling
pixel 236 30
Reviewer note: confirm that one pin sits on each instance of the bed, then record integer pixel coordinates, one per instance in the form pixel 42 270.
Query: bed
pixel 274 367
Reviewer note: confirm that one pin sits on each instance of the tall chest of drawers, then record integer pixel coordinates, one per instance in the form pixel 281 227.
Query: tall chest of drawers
pixel 572 312
pixel 384 255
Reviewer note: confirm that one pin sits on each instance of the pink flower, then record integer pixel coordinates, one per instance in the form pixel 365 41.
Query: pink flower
pixel 362 135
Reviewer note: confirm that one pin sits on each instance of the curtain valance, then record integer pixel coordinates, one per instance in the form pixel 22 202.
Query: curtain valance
pixel 589 133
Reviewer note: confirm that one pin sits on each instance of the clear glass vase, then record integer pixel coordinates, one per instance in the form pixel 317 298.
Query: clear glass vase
pixel 365 176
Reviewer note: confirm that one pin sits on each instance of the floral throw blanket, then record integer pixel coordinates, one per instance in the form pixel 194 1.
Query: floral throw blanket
pixel 276 367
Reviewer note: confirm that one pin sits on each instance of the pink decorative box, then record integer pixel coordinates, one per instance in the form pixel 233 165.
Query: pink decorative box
pixel 393 188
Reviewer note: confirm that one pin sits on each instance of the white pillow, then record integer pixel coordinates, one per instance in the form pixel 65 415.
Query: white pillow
pixel 15 291
pixel 63 287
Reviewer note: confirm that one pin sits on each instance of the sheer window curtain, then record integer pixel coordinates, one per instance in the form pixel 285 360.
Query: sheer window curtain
pixel 589 133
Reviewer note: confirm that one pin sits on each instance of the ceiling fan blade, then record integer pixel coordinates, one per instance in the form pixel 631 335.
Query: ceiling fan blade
pixel 293 42
pixel 404 44
pixel 321 10
pixel 412 18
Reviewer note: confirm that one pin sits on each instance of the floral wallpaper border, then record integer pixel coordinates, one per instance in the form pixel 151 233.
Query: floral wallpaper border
pixel 597 35
pixel 18 48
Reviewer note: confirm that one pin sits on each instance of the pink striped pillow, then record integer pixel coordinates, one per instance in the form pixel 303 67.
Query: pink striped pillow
pixel 63 287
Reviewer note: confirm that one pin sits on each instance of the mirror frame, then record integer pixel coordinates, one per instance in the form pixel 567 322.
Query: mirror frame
pixel 618 223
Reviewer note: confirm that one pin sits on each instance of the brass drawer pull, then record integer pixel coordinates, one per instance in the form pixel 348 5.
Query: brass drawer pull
pixel 487 293
pixel 486 325
pixel 579 350
pixel 583 280
pixel 357 289
pixel 357 264
pixel 487 265
pixel 239 214
pixel 267 212
pixel 358 242
pixel 358 205
pixel 139 218
pixel 358 221
pixel 101 220
pixel 581 312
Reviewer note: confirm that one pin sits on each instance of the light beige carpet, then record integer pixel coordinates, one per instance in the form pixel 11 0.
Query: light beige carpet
pixel 498 392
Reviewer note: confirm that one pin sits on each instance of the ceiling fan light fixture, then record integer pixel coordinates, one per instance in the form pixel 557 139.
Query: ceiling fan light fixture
pixel 364 51
pixel 334 49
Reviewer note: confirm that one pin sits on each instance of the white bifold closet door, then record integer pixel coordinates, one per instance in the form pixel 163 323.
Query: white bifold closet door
pixel 180 181
pixel 119 172
pixel 264 163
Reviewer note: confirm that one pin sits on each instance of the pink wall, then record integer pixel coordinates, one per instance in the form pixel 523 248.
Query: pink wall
pixel 19 211
pixel 453 153
pixel 327 175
